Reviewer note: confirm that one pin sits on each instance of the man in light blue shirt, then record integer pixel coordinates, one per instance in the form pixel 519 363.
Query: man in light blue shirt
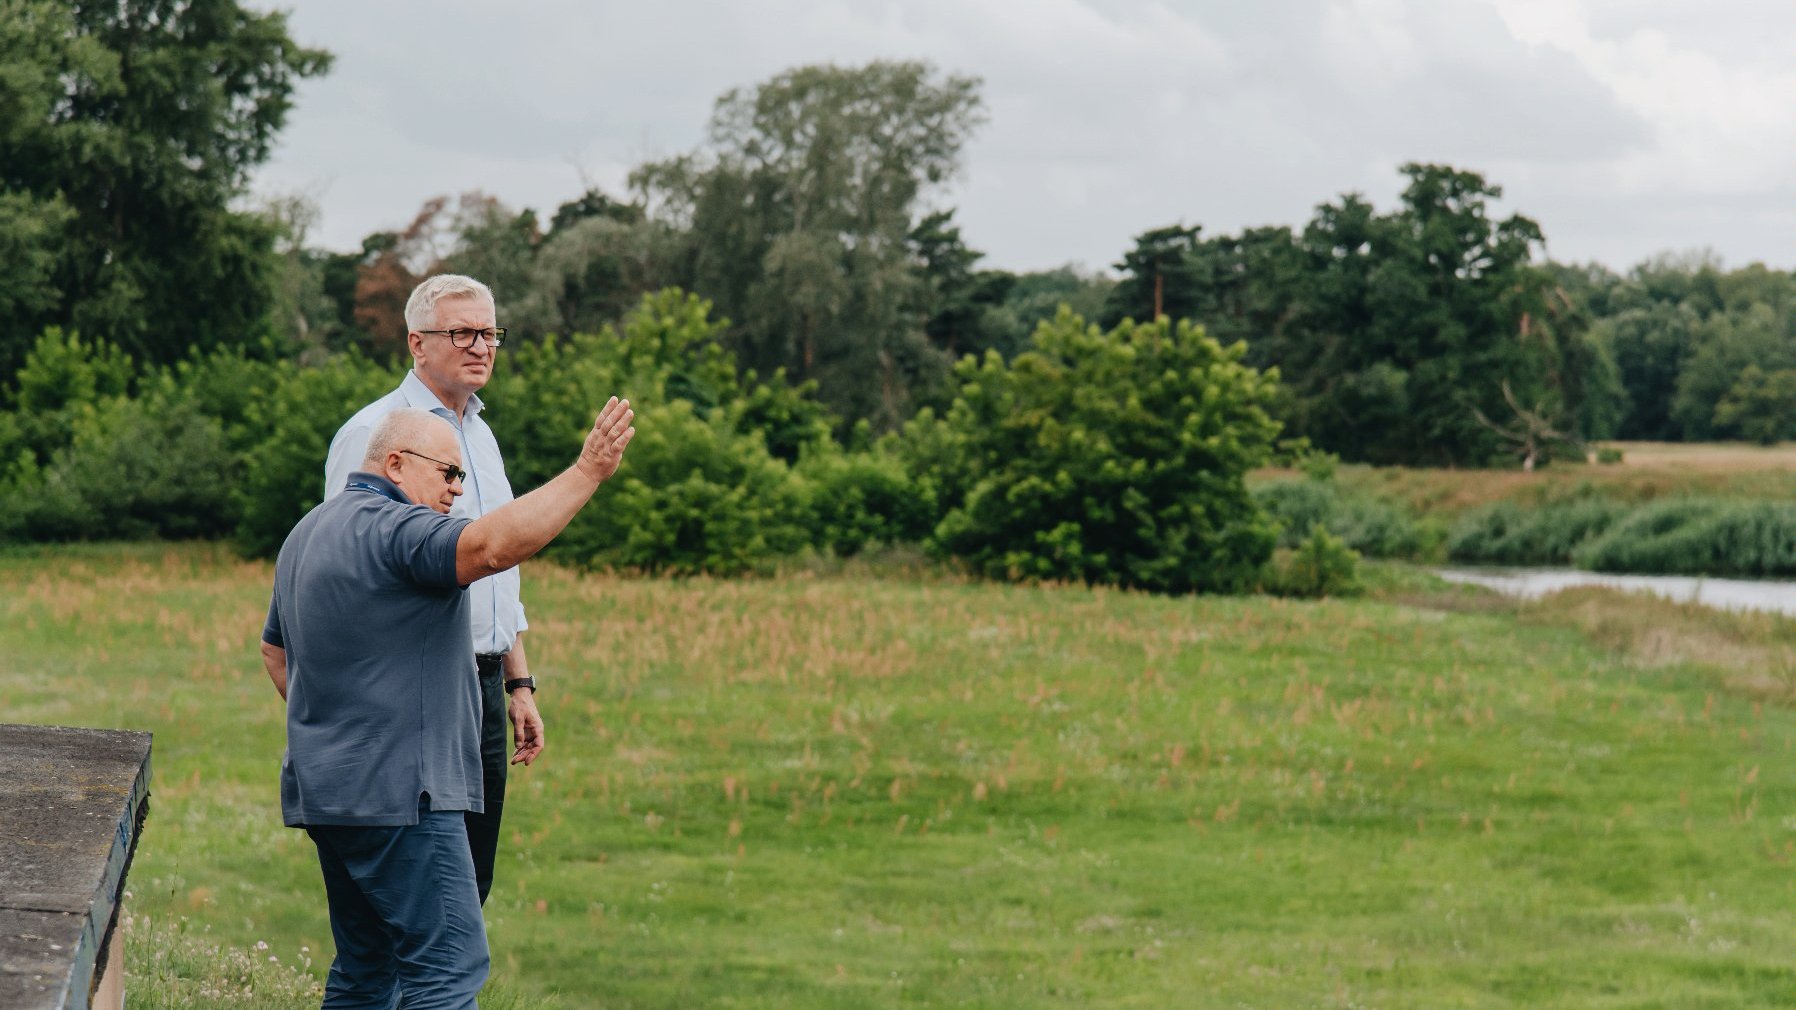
pixel 454 341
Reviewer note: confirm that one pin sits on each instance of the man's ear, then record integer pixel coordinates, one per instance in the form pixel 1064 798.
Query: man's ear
pixel 414 342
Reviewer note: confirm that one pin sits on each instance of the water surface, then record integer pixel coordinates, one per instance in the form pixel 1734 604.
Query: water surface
pixel 1723 594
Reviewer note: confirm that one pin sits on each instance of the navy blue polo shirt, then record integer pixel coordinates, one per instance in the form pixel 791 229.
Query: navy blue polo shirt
pixel 383 704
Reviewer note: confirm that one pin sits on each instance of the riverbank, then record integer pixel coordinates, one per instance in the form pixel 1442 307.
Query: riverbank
pixel 818 792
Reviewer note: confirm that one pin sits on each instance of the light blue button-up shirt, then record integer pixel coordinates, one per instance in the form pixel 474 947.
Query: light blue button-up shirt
pixel 496 615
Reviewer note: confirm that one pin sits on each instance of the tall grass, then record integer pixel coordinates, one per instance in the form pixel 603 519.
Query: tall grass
pixel 1692 536
pixel 1699 537
pixel 844 791
pixel 1510 534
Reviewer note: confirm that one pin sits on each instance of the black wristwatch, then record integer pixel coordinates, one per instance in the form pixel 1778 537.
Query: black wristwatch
pixel 513 685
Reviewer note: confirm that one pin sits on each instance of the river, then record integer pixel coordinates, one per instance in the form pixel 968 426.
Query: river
pixel 1723 594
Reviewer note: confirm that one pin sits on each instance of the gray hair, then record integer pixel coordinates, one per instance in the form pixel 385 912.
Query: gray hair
pixel 421 307
pixel 394 432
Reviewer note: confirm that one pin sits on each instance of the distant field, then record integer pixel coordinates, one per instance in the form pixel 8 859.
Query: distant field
pixel 1729 457
pixel 853 792
pixel 1648 470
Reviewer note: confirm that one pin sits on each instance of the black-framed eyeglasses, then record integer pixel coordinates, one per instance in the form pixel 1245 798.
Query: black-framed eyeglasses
pixel 451 472
pixel 465 337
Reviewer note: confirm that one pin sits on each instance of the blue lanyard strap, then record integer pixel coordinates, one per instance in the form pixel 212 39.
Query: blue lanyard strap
pixel 383 492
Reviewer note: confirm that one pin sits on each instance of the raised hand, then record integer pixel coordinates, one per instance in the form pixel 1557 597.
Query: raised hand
pixel 605 443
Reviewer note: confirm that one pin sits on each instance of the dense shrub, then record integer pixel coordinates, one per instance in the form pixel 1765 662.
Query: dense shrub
pixel 700 490
pixel 694 495
pixel 293 422
pixel 864 498
pixel 82 458
pixel 134 469
pixel 1321 565
pixel 1698 537
pixel 1116 457
pixel 1511 534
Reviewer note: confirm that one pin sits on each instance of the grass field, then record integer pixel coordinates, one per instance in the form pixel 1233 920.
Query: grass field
pixel 851 791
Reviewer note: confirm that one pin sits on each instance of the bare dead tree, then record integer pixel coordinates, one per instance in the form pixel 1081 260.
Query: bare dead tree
pixel 1532 432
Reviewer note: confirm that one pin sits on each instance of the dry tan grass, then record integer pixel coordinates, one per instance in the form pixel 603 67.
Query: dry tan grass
pixel 1751 655
pixel 1648 471
pixel 1713 457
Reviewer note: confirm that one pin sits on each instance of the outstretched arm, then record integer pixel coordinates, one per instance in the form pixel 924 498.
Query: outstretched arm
pixel 518 529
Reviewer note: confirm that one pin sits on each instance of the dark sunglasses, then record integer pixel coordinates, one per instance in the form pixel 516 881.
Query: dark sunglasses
pixel 451 472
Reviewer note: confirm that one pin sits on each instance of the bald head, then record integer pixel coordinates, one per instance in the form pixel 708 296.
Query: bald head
pixel 399 430
pixel 412 448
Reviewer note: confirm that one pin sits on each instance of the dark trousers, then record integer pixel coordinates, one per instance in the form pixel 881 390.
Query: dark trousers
pixel 404 915
pixel 483 829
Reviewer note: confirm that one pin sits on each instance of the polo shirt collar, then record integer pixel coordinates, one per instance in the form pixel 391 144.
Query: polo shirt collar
pixel 362 480
pixel 418 395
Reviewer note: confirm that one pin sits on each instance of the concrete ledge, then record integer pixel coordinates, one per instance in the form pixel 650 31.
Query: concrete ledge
pixel 72 805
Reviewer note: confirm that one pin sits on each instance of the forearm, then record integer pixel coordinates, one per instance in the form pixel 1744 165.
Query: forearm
pixel 514 532
pixel 517 665
pixel 274 660
pixel 507 535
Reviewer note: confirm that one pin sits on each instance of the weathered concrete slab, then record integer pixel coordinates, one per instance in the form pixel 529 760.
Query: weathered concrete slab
pixel 72 802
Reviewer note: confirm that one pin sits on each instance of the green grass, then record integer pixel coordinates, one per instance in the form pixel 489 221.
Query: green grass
pixel 846 791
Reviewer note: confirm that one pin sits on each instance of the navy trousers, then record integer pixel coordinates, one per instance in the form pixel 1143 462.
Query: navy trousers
pixel 405 915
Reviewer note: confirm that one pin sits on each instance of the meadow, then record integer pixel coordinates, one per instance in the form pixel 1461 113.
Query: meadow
pixel 856 790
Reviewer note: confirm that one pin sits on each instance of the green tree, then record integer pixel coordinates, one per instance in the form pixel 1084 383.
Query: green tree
pixel 598 261
pixel 797 214
pixel 1727 343
pixel 962 305
pixel 1116 457
pixel 1761 406
pixel 126 130
pixel 1408 321
pixel 1160 278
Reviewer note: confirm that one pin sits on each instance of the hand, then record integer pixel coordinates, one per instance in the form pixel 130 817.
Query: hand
pixel 526 726
pixel 605 443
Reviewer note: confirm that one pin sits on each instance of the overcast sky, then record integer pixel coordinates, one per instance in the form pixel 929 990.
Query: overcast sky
pixel 1624 127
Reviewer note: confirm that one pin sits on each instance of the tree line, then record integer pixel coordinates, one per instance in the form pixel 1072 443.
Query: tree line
pixel 796 297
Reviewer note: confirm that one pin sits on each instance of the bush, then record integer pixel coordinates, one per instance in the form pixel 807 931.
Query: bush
pixel 699 490
pixel 293 422
pixel 1322 565
pixel 864 498
pixel 132 469
pixel 1115 457
pixel 694 495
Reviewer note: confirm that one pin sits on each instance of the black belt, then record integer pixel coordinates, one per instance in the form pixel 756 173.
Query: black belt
pixel 485 660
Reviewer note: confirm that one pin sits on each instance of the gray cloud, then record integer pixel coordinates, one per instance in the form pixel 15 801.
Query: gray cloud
pixel 1107 117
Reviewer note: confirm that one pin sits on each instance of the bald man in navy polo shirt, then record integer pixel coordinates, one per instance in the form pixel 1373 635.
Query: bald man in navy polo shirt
pixel 366 640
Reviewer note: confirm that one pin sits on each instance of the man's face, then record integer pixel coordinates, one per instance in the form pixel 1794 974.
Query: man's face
pixel 450 369
pixel 419 473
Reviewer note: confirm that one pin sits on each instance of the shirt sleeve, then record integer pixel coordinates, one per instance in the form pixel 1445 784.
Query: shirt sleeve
pixel 346 452
pixel 271 628
pixel 523 625
pixel 421 546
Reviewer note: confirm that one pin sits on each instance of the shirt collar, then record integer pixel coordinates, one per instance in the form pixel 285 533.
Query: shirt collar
pixel 362 480
pixel 417 394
